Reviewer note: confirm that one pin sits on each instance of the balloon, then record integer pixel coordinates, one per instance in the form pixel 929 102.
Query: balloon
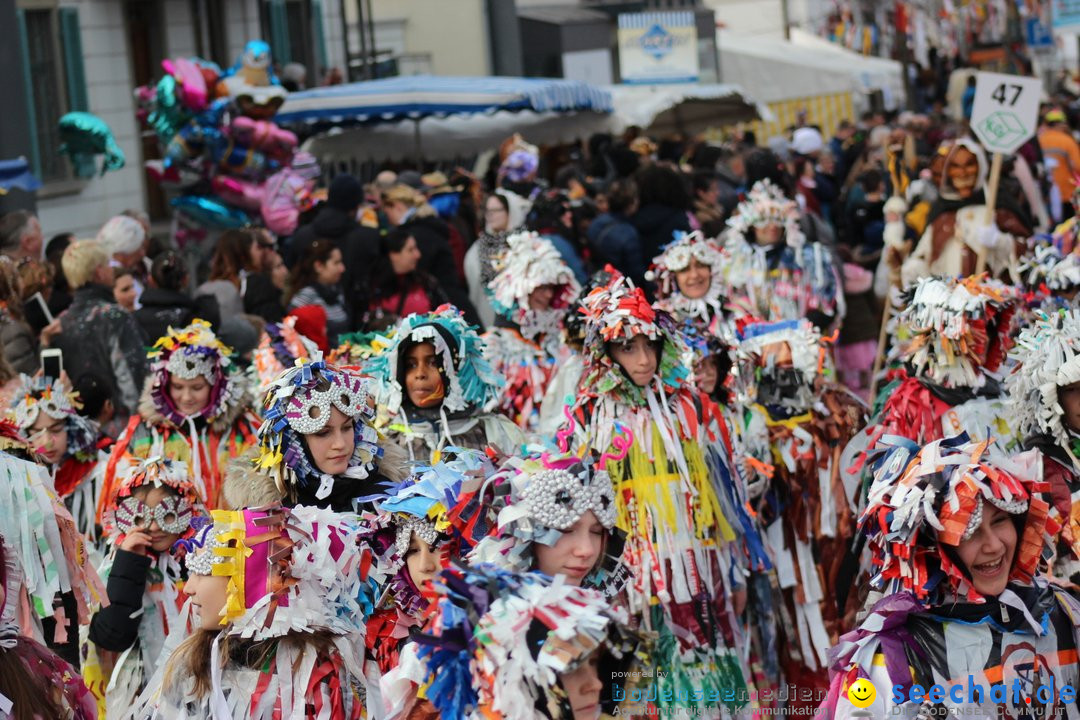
pixel 167 115
pixel 235 191
pixel 285 192
pixel 85 135
pixel 191 85
pixel 265 136
pixel 211 212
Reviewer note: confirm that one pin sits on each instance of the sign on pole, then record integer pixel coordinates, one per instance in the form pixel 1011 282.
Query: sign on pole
pixel 658 47
pixel 1006 110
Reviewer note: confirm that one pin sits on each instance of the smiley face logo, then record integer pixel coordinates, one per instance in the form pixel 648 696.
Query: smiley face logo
pixel 861 693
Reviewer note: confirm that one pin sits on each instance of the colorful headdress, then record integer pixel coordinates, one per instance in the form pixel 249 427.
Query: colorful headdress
pixel 676 257
pixel 766 204
pixel 36 395
pixel 1048 270
pixel 299 403
pixel 188 353
pixel 175 514
pixel 617 312
pixel 497 642
pixel 290 570
pixel 959 329
pixel 530 261
pixel 470 381
pixel 925 501
pixel 279 349
pixel 765 378
pixel 1047 354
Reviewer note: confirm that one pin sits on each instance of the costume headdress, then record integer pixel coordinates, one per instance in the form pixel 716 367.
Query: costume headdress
pixel 174 514
pixel 1050 271
pixel 530 261
pixel 298 403
pixel 959 329
pixel 784 377
pixel 36 395
pixel 676 257
pixel 925 501
pixel 766 204
pixel 497 642
pixel 468 378
pixel 279 349
pixel 188 353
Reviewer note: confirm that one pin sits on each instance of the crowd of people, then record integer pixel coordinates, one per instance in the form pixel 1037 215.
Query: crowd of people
pixel 679 428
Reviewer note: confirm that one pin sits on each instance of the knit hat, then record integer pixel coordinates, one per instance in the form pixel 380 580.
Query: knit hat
pixel 346 193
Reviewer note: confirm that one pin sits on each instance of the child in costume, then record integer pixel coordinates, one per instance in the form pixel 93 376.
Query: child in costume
pixel 46 411
pixel 516 646
pixel 531 293
pixel 279 631
pixel 680 546
pixel 773 273
pixel 958 536
pixel 194 409
pixel 153 507
pixel 793 425
pixel 435 389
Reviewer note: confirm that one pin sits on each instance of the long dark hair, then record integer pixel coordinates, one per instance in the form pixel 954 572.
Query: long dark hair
pixel 233 254
pixel 304 274
pixel 384 281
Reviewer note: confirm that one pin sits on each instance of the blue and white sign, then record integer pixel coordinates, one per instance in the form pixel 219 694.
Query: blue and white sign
pixel 1066 13
pixel 658 47
pixel 1037 34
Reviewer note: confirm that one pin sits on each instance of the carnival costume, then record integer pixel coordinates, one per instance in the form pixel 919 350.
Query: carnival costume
pixel 470 389
pixel 680 544
pixel 789 280
pixel 279 349
pixel 224 429
pixel 701 312
pixel 933 627
pixel 527 345
pixel 294 579
pixel 495 645
pixel 1050 279
pixel 123 645
pixel 74 479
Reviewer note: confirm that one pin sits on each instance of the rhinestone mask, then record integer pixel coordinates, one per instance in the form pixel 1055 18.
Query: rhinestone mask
pixel 308 412
pixel 407 527
pixel 173 514
pixel 1015 507
pixel 557 498
pixel 187 364
pixel 54 400
pixel 201 561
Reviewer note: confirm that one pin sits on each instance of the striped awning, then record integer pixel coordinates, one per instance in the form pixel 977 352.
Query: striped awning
pixel 16 173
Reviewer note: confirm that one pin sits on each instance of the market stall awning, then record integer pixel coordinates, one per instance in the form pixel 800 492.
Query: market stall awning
pixel 687 108
pixel 16 173
pixel 420 96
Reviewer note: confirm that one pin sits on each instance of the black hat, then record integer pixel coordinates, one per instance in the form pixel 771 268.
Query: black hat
pixel 346 193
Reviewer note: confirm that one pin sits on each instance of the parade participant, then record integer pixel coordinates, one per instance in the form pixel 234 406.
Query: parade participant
pixel 958 539
pixel 1043 400
pixel 500 644
pixel 194 409
pixel 280 346
pixel 274 592
pixel 794 421
pixel 34 682
pixel 959 236
pixel 435 389
pixel 317 443
pixel 1049 278
pixel 679 546
pixel 153 507
pixel 46 411
pixel 774 272
pixel 689 280
pixel 531 293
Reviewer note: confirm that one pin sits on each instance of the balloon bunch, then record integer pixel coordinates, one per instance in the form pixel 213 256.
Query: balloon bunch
pixel 229 163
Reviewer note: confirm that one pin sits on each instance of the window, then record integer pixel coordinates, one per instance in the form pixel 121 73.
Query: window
pixel 295 32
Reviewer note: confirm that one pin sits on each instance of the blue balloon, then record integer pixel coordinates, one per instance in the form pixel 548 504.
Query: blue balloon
pixel 211 212
pixel 85 135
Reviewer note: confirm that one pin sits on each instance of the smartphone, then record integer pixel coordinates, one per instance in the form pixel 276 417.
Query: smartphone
pixel 52 363
pixel 40 302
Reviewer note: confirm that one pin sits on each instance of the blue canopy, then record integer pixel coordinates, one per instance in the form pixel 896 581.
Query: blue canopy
pixel 16 173
pixel 419 96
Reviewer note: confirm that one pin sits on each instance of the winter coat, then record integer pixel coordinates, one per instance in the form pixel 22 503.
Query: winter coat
pixel 162 309
pixel 97 335
pixel 112 627
pixel 656 224
pixel 614 239
pixel 437 260
pixel 228 297
pixel 20 345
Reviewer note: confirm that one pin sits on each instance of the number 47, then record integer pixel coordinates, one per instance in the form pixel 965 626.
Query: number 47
pixel 1001 94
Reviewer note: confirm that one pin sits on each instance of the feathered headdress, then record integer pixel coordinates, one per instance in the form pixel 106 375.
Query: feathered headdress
pixel 529 262
pixel 188 353
pixel 676 257
pixel 925 501
pixel 36 395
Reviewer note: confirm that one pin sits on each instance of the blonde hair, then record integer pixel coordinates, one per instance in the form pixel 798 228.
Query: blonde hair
pixel 403 194
pixel 81 260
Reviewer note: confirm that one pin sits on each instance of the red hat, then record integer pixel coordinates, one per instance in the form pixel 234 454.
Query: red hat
pixel 311 323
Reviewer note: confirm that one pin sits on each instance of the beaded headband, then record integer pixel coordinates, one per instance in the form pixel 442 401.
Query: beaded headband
pixel 41 395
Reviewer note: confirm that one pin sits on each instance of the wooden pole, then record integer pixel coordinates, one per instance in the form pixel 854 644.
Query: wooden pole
pixel 991 206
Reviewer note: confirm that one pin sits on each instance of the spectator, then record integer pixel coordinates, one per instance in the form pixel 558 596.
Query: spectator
pixel 552 217
pixel 707 210
pixel 730 178
pixel 125 239
pixel 20 345
pixel 613 239
pixel 316 280
pixel 359 245
pixel 262 296
pixel 97 403
pixel 61 294
pixel 866 220
pixel 35 277
pixel 1062 157
pixel 20 235
pixel 166 302
pixel 236 256
pixel 279 273
pixel 400 288
pixel 496 220
pixel 663 205
pixel 124 288
pixel 97 335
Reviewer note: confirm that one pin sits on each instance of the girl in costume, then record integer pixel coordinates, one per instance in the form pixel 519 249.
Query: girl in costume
pixel 531 293
pixel 194 409
pixel 792 424
pixel 153 507
pixel 680 546
pixel 435 389
pixel 774 273
pixel 34 682
pixel 274 593
pixel 46 410
pixel 958 537
pixel 516 646
pixel 318 443
pixel 690 280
